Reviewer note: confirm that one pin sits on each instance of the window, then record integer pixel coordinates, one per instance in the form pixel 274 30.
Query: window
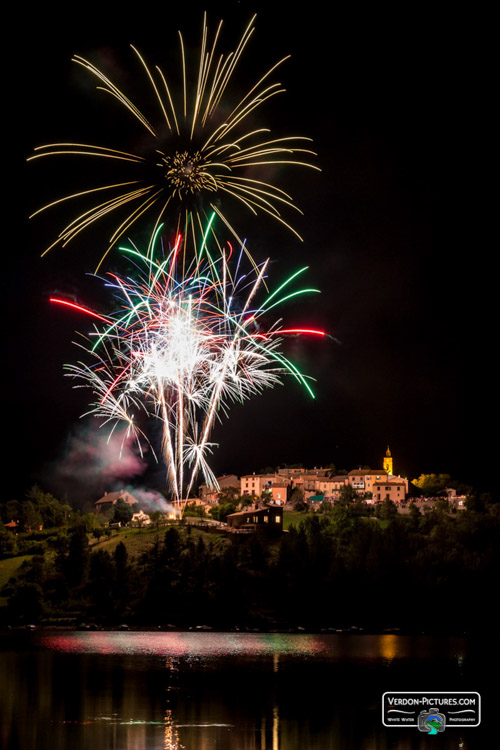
pixel 277 519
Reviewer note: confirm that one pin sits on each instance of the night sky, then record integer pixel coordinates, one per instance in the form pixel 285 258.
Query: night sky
pixel 393 229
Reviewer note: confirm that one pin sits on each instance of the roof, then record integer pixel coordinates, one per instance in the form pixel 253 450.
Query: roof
pixel 316 499
pixel 258 476
pixel 113 497
pixel 223 481
pixel 341 479
pixel 367 472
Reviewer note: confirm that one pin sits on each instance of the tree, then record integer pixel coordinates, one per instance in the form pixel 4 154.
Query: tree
pixel 155 517
pixel 246 500
pixel 121 563
pixel 90 521
pixel 26 603
pixel 481 503
pixel 98 532
pixel 100 583
pixel 431 485
pixel 172 545
pixel 29 518
pixel 266 497
pixel 297 498
pixel 325 507
pixel 443 506
pixel 10 511
pixel 52 511
pixel 414 512
pixel 122 512
pixel 192 509
pixel 75 566
pixel 221 512
pixel 387 509
pixel 8 543
pixel 228 494
pixel 347 495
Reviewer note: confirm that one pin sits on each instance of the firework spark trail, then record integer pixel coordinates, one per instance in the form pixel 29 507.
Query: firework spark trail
pixel 204 156
pixel 181 348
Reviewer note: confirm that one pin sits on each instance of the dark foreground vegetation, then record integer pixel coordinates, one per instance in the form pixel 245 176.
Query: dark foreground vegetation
pixel 432 572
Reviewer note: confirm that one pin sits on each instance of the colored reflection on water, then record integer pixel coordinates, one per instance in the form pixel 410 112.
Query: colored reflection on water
pixel 229 691
pixel 193 645
pixel 202 645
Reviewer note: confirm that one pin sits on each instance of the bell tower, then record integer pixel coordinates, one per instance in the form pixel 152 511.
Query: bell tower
pixel 388 461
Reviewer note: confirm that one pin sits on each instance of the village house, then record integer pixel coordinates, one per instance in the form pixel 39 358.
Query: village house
pixel 256 484
pixel 362 480
pixel 392 489
pixel 302 479
pixel 254 518
pixel 381 483
pixel 317 483
pixel 111 498
pixel 290 473
pixel 330 487
pixel 210 495
pixel 276 493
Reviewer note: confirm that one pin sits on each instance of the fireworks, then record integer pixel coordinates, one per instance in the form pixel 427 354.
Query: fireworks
pixel 202 150
pixel 181 347
pixel 191 332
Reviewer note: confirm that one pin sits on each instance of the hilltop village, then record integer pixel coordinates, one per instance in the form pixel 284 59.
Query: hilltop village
pixel 309 548
pixel 317 485
pixel 253 500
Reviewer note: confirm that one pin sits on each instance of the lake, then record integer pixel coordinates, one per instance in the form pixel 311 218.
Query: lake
pixel 231 691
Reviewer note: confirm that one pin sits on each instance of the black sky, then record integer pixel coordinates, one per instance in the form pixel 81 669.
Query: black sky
pixel 393 227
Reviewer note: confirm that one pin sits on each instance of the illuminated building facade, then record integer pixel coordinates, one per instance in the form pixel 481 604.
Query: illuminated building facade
pixel 256 484
pixel 252 518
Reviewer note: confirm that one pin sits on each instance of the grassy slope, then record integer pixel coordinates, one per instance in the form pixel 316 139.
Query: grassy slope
pixel 293 517
pixel 8 569
pixel 138 541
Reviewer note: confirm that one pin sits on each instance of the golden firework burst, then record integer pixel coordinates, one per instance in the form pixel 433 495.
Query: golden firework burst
pixel 199 154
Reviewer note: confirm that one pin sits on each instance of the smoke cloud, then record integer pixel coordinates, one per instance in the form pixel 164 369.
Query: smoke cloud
pixel 93 462
pixel 150 500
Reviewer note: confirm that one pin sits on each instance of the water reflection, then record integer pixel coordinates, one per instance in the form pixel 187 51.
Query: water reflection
pixel 184 691
pixel 171 733
pixel 389 646
pixel 203 645
pixel 184 644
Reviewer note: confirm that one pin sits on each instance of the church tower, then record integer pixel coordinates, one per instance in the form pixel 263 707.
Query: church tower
pixel 388 462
